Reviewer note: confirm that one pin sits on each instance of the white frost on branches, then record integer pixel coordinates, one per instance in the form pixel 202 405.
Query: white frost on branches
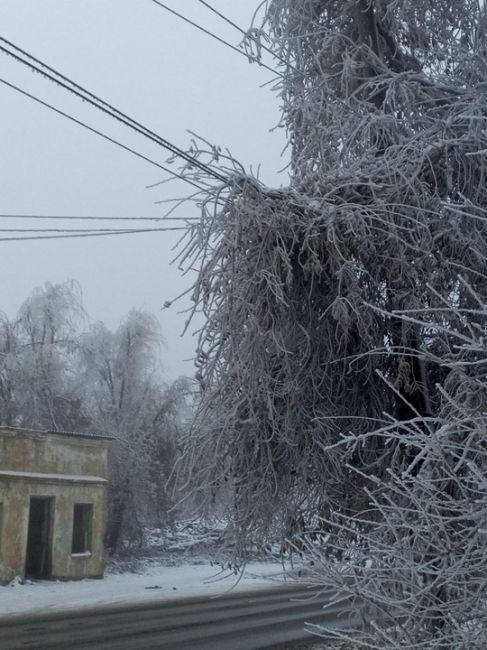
pixel 343 360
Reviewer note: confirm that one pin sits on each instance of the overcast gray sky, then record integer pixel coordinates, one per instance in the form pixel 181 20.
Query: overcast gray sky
pixel 163 73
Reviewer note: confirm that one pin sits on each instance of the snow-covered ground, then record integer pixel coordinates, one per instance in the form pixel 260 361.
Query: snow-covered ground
pixel 153 582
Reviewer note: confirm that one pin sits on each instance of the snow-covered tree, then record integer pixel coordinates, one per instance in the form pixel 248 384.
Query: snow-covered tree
pixel 343 358
pixel 38 385
pixel 125 395
pixel 9 348
pixel 54 375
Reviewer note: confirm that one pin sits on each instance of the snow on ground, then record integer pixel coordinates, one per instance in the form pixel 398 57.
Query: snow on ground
pixel 154 582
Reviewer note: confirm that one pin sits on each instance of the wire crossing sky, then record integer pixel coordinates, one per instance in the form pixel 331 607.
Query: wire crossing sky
pixel 146 63
pixel 248 56
pixel 247 34
pixel 96 131
pixel 89 217
pixel 102 105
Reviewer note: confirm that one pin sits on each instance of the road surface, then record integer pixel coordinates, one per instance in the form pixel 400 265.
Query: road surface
pixel 234 621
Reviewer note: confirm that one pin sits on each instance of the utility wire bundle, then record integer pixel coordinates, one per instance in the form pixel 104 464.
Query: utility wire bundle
pixel 194 171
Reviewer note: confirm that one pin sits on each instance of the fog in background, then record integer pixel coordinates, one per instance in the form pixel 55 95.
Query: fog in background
pixel 163 73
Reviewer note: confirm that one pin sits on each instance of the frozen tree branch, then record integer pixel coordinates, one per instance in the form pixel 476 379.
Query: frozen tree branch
pixel 343 359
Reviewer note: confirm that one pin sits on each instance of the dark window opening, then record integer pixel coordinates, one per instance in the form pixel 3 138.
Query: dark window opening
pixel 82 525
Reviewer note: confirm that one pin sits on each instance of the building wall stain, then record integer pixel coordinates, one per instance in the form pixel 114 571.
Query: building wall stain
pixel 68 469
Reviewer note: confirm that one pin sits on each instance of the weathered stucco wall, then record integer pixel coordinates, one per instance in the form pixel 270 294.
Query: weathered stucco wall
pixel 70 469
pixel 15 495
pixel 52 453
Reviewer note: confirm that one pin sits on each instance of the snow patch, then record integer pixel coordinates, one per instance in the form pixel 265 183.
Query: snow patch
pixel 153 583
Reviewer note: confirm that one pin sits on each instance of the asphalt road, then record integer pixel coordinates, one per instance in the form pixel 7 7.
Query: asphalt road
pixel 236 621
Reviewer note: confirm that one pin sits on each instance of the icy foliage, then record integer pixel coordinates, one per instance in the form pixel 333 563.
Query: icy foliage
pixel 374 73
pixel 343 361
pixel 54 375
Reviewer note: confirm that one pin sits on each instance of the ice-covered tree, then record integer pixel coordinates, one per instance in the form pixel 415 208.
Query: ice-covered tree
pixel 343 358
pixel 9 348
pixel 127 398
pixel 54 375
pixel 38 386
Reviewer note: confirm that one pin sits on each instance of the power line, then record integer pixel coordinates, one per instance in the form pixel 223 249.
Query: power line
pixel 88 234
pixel 93 218
pixel 246 34
pixel 217 38
pixel 85 95
pixel 112 112
pixel 99 103
pixel 69 230
pixel 102 135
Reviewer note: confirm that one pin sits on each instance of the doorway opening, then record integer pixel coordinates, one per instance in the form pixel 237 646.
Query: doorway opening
pixel 39 538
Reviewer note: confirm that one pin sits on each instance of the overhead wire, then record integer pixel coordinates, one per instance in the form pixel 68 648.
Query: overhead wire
pixel 249 57
pixel 74 88
pixel 93 218
pixel 69 230
pixel 100 133
pixel 247 34
pixel 98 102
pixel 88 234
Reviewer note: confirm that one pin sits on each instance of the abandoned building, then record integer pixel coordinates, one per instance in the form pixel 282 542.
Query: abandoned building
pixel 52 504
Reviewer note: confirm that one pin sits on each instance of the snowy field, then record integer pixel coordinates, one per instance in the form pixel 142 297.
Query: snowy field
pixel 152 583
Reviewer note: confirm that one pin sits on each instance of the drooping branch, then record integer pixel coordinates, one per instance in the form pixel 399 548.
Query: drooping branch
pixel 343 358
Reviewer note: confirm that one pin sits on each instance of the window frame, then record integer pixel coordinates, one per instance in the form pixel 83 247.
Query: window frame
pixel 82 530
